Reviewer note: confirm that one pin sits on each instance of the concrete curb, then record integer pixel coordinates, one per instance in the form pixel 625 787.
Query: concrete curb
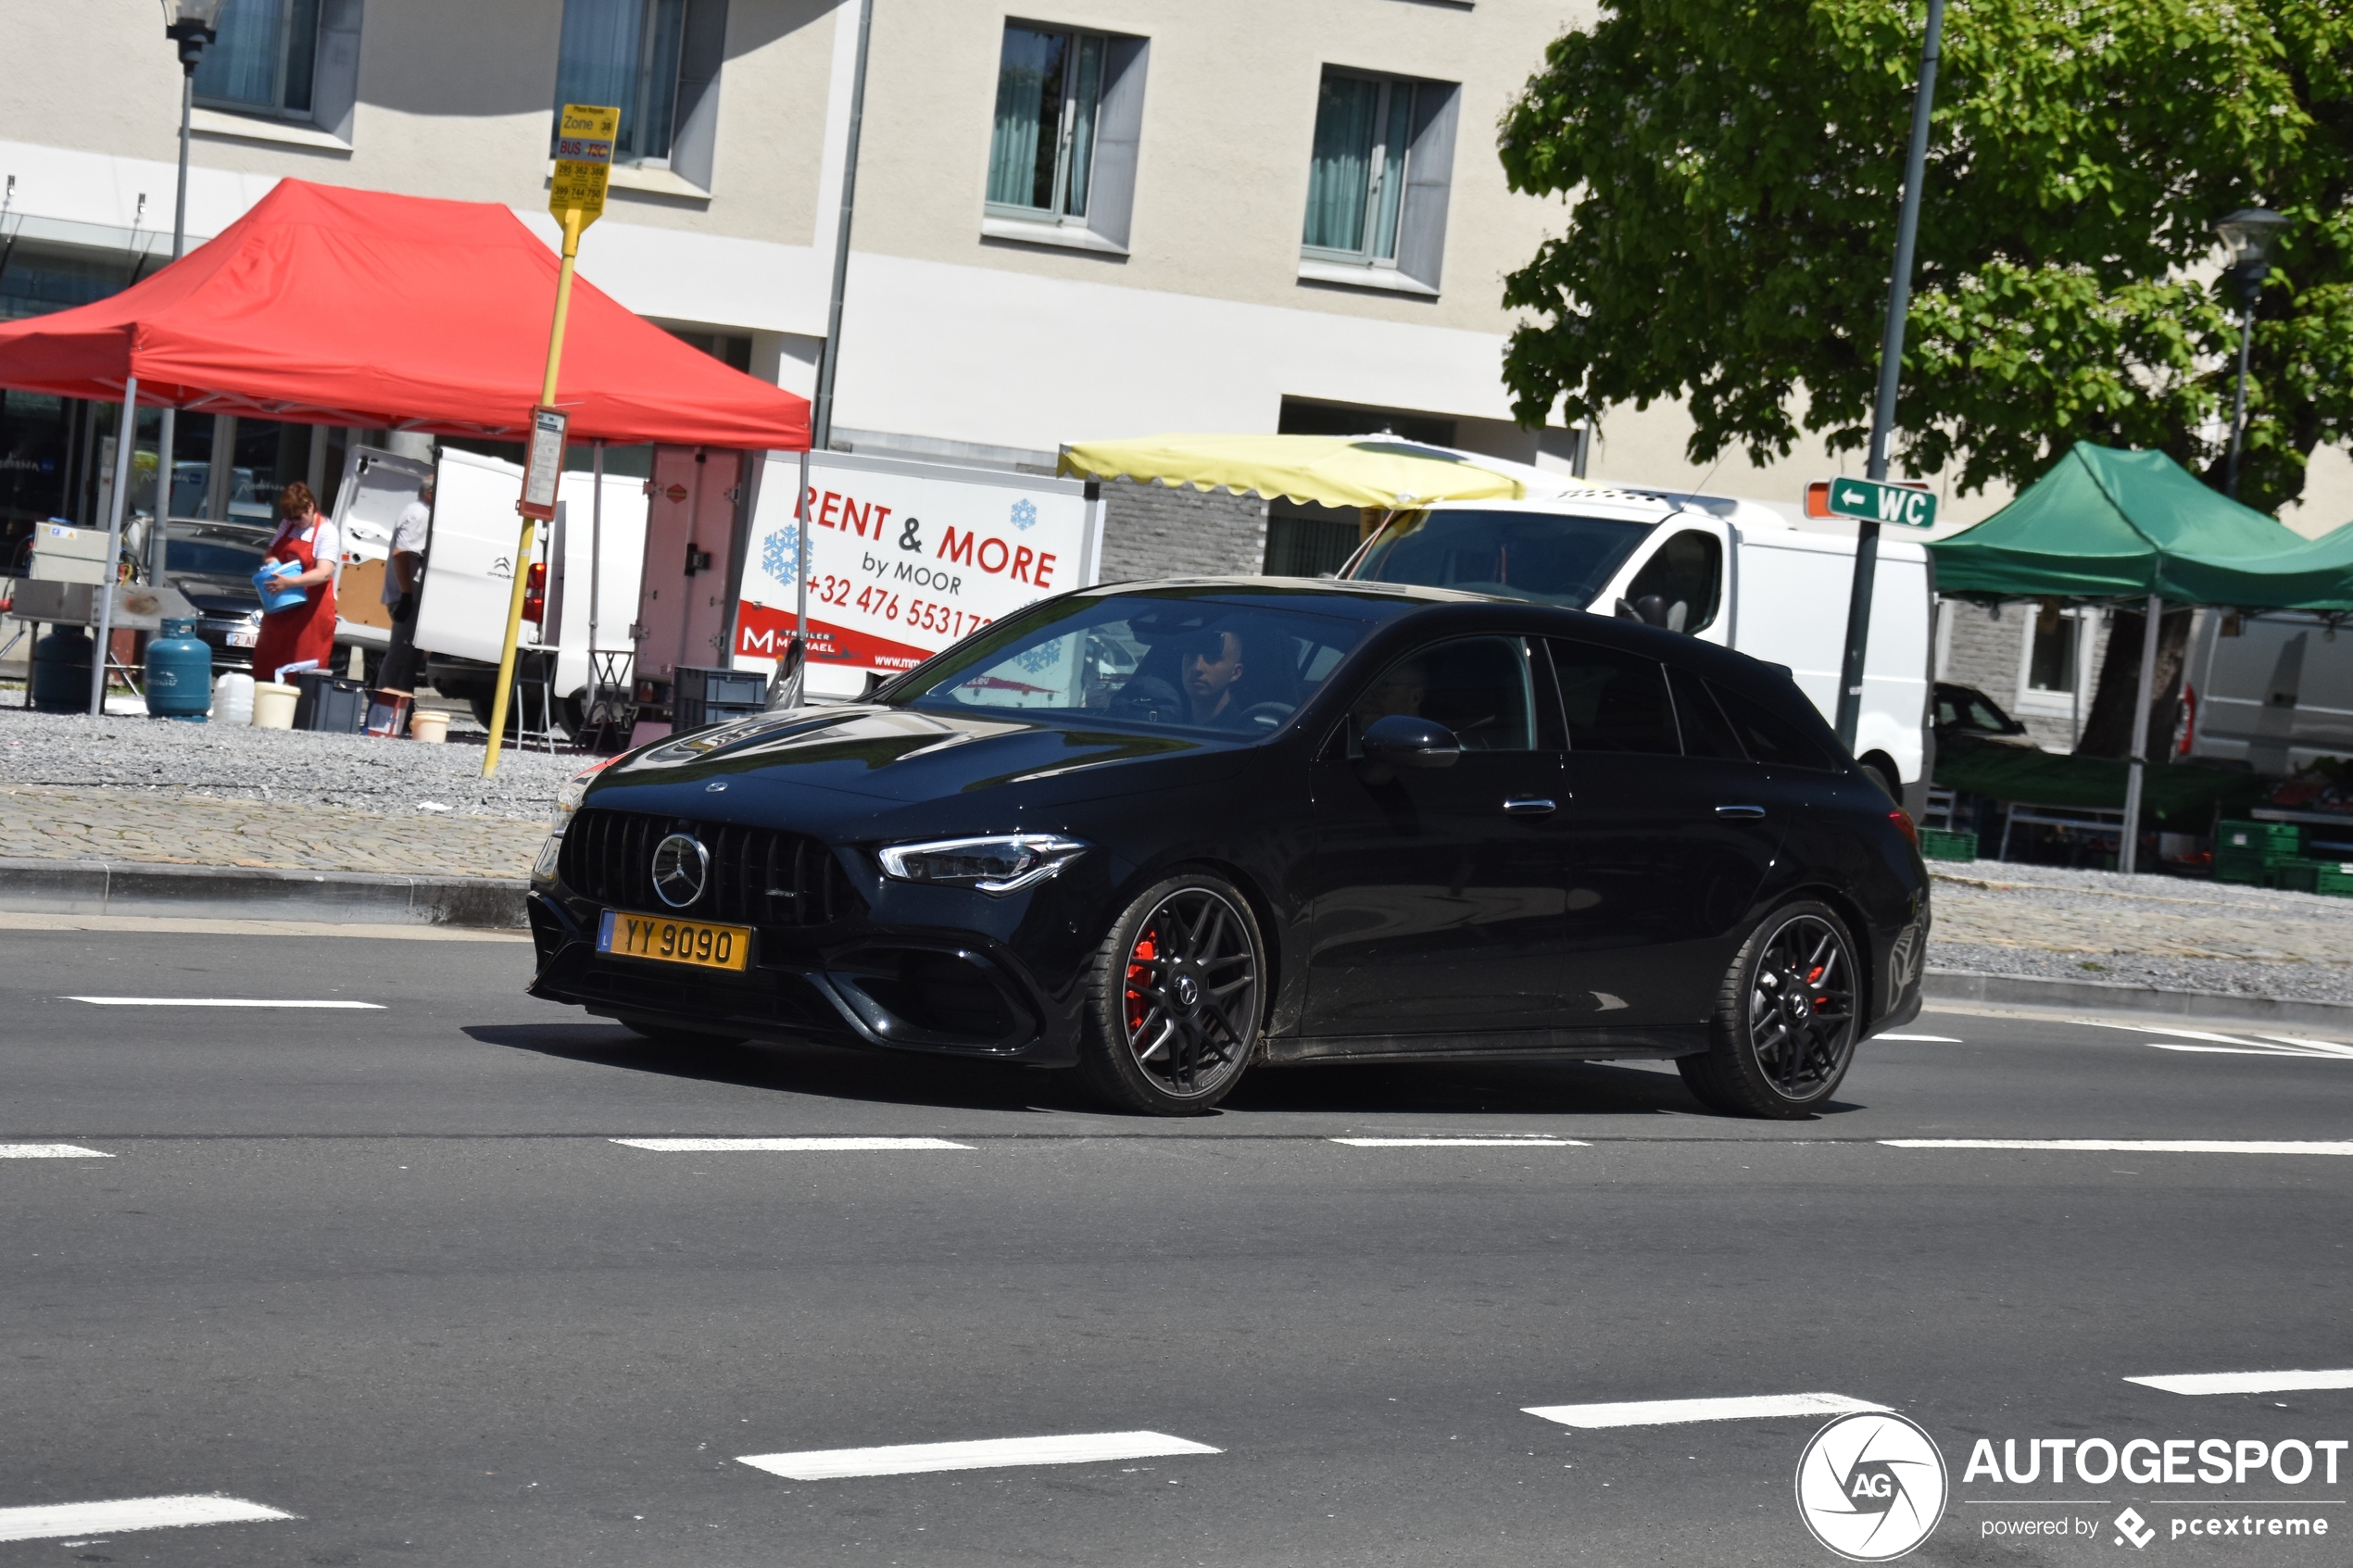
pixel 146 888
pixel 2107 996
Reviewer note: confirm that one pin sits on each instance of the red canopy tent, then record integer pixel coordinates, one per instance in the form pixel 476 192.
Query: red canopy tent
pixel 330 305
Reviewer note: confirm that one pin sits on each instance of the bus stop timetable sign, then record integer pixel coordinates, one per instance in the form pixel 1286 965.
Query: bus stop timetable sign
pixel 584 157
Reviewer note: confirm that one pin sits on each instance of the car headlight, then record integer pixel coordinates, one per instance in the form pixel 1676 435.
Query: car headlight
pixel 569 797
pixel 994 865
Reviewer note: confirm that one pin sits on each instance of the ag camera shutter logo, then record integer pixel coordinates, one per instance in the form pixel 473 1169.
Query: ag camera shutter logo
pixel 1872 1486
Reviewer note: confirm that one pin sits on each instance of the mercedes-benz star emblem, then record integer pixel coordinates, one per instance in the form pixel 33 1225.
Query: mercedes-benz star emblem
pixel 1188 990
pixel 681 866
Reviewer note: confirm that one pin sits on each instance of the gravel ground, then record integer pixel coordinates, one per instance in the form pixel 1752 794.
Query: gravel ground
pixel 279 766
pixel 2180 935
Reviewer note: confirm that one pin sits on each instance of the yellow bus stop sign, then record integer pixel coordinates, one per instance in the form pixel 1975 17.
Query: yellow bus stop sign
pixel 584 157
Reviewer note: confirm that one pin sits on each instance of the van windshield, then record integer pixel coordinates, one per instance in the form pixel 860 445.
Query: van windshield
pixel 1553 557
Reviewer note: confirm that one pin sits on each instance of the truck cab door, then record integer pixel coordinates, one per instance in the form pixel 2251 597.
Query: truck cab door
pixel 1681 580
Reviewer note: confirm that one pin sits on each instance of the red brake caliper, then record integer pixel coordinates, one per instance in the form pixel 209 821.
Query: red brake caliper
pixel 1813 977
pixel 1146 948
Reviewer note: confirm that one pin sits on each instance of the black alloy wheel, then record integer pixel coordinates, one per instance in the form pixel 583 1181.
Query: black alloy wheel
pixel 1784 1027
pixel 1176 998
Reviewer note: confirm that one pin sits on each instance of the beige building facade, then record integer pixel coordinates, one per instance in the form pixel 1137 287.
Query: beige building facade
pixel 1075 219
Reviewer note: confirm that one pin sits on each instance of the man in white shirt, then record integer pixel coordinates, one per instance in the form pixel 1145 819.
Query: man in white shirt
pixel 404 575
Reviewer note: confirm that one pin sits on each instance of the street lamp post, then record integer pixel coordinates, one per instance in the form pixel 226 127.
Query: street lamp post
pixel 2246 234
pixel 190 24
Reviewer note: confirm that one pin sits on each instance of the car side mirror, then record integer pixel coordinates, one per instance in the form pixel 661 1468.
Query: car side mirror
pixel 1401 740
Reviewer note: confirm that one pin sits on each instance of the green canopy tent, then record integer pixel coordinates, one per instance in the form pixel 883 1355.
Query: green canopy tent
pixel 2109 526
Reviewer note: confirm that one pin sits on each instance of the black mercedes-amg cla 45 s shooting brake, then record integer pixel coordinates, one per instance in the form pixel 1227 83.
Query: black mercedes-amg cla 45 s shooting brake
pixel 1162 832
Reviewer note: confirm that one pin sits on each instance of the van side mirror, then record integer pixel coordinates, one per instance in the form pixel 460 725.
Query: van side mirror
pixel 1401 740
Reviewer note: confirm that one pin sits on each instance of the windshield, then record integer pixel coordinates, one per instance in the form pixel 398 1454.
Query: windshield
pixel 1552 558
pixel 1236 663
pixel 211 552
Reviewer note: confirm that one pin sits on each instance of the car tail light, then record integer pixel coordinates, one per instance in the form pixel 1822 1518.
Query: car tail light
pixel 1904 826
pixel 534 594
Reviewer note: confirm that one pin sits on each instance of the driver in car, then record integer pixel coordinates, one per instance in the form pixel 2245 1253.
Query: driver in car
pixel 1212 663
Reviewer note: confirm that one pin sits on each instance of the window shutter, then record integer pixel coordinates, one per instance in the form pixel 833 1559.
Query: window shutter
pixel 336 87
pixel 703 47
pixel 1118 137
pixel 1430 173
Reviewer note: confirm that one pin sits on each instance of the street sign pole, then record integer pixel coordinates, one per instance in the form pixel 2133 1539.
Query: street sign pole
pixel 576 197
pixel 1890 364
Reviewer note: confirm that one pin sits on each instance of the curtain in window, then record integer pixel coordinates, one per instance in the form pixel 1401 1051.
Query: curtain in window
pixel 1082 135
pixel 240 66
pixel 596 59
pixel 1392 173
pixel 1340 171
pixel 1029 92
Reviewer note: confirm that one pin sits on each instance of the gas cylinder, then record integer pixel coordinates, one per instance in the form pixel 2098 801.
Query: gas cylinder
pixel 61 671
pixel 180 674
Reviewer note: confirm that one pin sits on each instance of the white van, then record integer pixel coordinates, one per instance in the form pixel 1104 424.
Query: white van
pixel 1725 571
pixel 2272 691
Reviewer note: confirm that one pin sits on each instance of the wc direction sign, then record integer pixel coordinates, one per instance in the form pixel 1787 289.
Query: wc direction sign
pixel 1871 501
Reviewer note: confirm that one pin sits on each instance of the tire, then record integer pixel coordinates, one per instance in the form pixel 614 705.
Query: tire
pixel 1175 1000
pixel 666 1034
pixel 1882 773
pixel 1783 1030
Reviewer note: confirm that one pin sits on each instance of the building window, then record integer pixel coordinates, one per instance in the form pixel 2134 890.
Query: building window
pixel 264 61
pixel 2051 661
pixel 1356 181
pixel 657 62
pixel 1310 541
pixel 1377 179
pixel 1041 152
pixel 1061 150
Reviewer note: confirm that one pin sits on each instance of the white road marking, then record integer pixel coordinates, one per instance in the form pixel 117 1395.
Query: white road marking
pixel 2206 1034
pixel 778 1146
pixel 217 1002
pixel 1668 1412
pixel 50 1151
pixel 2246 1382
pixel 2326 1047
pixel 2245 1044
pixel 987 1453
pixel 1463 1143
pixel 2129 1146
pixel 44 1521
pixel 1920 1039
pixel 2272 1051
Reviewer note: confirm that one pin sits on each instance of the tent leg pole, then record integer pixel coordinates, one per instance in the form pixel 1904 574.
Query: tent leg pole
pixel 126 437
pixel 2128 852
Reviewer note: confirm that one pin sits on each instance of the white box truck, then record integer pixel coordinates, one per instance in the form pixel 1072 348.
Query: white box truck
pixel 2272 691
pixel 1720 568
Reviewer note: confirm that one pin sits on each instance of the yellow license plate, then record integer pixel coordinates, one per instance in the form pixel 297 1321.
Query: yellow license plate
pixel 674 941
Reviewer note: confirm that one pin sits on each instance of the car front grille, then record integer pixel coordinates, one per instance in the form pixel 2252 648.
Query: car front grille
pixel 760 876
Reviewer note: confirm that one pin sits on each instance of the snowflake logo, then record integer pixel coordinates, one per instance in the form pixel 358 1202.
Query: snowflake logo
pixel 1024 513
pixel 1044 654
pixel 780 551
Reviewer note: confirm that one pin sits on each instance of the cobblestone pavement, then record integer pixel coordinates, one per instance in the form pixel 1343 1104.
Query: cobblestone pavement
pixel 183 828
pixel 2153 929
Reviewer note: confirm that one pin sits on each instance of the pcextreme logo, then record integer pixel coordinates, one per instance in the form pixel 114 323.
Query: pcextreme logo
pixel 1870 1487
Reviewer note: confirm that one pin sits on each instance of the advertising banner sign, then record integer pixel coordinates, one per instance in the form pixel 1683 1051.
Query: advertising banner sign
pixel 904 559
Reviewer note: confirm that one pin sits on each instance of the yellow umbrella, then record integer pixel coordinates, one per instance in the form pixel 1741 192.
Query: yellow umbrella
pixel 1332 470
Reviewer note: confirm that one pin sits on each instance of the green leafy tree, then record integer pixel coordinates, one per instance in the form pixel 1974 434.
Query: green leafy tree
pixel 1732 169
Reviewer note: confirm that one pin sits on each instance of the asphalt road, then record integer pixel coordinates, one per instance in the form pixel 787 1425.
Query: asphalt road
pixel 384 1269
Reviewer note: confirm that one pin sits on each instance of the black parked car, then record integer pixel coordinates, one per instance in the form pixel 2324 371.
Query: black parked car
pixel 1160 832
pixel 212 564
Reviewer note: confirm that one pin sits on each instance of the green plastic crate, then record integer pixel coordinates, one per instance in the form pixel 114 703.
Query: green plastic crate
pixel 1943 844
pixel 2300 876
pixel 2239 865
pixel 2277 842
pixel 2334 878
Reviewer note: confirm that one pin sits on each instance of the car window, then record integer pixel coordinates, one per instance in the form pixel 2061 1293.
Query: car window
pixel 1981 715
pixel 1553 558
pixel 213 554
pixel 1479 687
pixel 1616 701
pixel 1166 662
pixel 1768 737
pixel 1686 577
pixel 1706 733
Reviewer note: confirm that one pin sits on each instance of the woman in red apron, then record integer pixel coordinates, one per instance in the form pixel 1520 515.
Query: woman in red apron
pixel 308 630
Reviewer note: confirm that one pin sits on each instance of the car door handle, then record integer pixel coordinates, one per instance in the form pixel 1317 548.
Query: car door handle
pixel 1747 812
pixel 1529 806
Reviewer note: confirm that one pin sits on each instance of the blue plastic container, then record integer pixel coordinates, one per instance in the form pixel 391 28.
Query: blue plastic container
pixel 180 674
pixel 61 671
pixel 274 599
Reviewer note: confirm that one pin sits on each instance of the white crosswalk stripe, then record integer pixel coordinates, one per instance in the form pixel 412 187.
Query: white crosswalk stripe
pixel 2248 1381
pixel 987 1453
pixel 51 1521
pixel 50 1151
pixel 778 1146
pixel 1671 1413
